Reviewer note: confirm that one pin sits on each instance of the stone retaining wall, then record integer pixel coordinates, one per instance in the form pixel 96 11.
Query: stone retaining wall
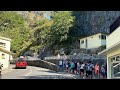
pixel 41 63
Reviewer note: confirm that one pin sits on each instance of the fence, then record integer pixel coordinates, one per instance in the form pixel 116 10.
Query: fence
pixel 79 56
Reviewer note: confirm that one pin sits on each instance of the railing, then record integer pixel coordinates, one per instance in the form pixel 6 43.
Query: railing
pixel 79 56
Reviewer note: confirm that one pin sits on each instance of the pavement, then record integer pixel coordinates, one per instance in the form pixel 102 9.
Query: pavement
pixel 10 68
pixel 32 72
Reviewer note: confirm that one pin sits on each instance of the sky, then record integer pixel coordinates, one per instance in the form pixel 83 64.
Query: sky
pixel 47 16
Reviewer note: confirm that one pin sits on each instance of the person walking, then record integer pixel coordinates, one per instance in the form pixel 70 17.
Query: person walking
pixel 86 70
pixel 105 65
pixel 75 68
pixel 89 69
pixel 93 70
pixel 82 70
pixel 102 71
pixel 97 72
pixel 78 67
pixel 72 65
pixel 60 64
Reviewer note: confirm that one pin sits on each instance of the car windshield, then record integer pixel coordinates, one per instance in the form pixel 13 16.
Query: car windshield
pixel 21 60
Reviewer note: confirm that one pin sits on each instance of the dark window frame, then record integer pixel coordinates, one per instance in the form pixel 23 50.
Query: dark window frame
pixel 82 42
pixel 103 37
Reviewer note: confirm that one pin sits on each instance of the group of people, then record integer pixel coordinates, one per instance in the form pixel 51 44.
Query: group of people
pixel 86 70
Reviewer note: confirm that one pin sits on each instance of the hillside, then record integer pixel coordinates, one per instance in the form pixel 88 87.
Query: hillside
pixel 31 30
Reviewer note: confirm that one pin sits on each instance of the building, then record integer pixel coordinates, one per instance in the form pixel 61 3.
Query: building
pixel 5 53
pixel 93 41
pixel 112 51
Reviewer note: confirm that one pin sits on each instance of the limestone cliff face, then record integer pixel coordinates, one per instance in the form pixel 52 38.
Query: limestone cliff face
pixel 91 22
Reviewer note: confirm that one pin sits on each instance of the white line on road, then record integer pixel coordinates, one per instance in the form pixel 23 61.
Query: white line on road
pixel 29 72
pixel 70 76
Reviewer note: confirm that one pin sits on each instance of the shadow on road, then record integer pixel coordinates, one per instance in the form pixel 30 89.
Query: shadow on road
pixel 13 68
pixel 1 76
pixel 46 77
pixel 61 73
pixel 50 71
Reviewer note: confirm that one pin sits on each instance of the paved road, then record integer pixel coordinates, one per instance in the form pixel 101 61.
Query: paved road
pixel 35 73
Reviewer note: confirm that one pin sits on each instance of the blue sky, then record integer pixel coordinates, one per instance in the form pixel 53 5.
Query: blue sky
pixel 47 16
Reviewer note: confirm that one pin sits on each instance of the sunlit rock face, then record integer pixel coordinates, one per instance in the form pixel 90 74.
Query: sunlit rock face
pixel 91 22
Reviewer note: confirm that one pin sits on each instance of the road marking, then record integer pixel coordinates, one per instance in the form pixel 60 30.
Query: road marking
pixel 70 76
pixel 29 72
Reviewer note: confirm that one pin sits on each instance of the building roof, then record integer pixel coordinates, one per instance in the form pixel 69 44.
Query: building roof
pixel 4 38
pixel 104 52
pixel 6 51
pixel 115 25
pixel 94 34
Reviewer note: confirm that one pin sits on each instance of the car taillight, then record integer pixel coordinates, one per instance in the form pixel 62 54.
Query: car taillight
pixel 24 62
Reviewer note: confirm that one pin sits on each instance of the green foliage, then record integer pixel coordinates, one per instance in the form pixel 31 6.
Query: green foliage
pixel 14 29
pixel 62 21
pixel 101 48
pixel 43 32
pixel 9 20
pixel 68 50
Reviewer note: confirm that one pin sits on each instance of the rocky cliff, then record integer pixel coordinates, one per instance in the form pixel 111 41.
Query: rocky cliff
pixel 91 22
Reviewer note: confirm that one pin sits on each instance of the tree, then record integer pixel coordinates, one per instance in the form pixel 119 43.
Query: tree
pixel 14 29
pixel 9 20
pixel 62 21
pixel 36 32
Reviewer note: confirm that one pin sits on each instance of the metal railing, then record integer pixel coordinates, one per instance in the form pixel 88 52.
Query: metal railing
pixel 79 56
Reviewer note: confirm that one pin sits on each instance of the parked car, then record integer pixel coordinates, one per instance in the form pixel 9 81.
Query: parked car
pixel 21 63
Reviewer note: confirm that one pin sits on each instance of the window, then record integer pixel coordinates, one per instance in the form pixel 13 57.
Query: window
pixel 118 58
pixel 82 41
pixel 2 44
pixel 3 56
pixel 99 36
pixel 113 59
pixel 103 37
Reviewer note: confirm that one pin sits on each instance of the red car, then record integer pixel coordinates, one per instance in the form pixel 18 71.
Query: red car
pixel 21 63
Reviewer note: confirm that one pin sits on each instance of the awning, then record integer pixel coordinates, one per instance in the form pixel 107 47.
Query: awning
pixel 6 51
pixel 115 46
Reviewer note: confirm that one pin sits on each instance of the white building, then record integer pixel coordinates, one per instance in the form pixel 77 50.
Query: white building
pixel 93 41
pixel 113 51
pixel 5 51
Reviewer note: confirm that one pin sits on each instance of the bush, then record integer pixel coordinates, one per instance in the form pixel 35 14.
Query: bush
pixel 56 52
pixel 101 48
pixel 67 51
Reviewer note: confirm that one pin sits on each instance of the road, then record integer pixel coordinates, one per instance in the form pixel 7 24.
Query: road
pixel 35 73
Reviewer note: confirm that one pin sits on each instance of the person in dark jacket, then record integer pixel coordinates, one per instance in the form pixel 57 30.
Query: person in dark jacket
pixel 75 68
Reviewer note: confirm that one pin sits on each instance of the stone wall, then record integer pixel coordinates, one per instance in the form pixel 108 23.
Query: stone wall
pixel 41 63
